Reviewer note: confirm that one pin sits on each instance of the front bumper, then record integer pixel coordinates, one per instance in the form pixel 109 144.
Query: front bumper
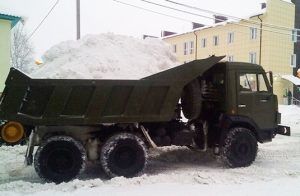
pixel 283 130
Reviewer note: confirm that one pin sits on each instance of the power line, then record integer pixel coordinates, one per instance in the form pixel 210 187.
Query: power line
pixel 42 21
pixel 145 9
pixel 230 16
pixel 194 14
pixel 187 12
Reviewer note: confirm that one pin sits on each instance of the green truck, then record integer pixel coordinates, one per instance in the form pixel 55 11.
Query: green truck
pixel 228 107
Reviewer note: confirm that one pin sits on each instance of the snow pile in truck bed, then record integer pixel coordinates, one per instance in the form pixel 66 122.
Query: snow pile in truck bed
pixel 106 56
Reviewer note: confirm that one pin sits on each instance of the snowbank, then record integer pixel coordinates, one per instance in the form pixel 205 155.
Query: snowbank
pixel 106 56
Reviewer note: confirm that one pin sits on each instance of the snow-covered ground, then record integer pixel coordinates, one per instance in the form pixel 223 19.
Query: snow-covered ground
pixel 174 171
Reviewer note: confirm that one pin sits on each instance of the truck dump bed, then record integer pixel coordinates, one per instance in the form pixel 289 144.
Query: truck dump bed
pixel 88 102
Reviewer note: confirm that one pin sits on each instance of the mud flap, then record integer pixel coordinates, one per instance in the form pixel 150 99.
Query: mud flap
pixel 30 148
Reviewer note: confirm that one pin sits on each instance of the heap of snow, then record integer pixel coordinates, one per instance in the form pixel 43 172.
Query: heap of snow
pixel 106 56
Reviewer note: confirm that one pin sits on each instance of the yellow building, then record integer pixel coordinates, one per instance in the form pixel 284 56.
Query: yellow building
pixel 6 23
pixel 252 40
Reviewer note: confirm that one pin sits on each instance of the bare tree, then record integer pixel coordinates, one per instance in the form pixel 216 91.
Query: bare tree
pixel 21 49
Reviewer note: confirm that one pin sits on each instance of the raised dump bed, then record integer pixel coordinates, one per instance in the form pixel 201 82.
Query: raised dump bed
pixel 88 102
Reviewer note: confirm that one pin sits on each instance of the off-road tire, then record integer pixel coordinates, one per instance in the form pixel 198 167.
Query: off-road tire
pixel 239 148
pixel 59 159
pixel 191 100
pixel 123 154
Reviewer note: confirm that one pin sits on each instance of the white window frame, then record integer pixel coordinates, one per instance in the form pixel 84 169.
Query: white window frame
pixel 252 57
pixel 230 37
pixel 230 58
pixel 203 42
pixel 215 40
pixel 293 60
pixel 253 33
pixel 191 47
pixel 185 48
pixel 294 35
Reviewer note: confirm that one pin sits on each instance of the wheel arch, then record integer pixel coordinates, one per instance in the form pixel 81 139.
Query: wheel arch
pixel 246 125
pixel 230 122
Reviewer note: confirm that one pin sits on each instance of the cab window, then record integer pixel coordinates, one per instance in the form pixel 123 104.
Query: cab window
pixel 262 87
pixel 248 82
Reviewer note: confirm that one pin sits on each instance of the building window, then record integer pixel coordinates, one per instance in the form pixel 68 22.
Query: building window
pixel 252 57
pixel 253 33
pixel 230 37
pixel 230 58
pixel 216 40
pixel 203 42
pixel 174 48
pixel 294 35
pixel 185 48
pixel 191 47
pixel 293 60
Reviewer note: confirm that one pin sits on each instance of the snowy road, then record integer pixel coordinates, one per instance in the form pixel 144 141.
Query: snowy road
pixel 174 170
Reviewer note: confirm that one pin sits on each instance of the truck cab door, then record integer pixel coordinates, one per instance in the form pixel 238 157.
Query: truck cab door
pixel 255 99
pixel 265 104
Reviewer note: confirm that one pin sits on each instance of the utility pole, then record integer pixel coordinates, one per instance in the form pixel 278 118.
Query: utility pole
pixel 260 39
pixel 78 18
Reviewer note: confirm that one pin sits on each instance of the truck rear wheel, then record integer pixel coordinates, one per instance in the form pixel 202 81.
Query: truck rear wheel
pixel 239 148
pixel 59 159
pixel 123 154
pixel 191 100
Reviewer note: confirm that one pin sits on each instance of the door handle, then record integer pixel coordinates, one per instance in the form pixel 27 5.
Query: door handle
pixel 263 100
pixel 242 105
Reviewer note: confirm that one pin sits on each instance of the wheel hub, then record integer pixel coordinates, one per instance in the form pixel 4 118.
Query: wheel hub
pixel 243 149
pixel 125 157
pixel 60 161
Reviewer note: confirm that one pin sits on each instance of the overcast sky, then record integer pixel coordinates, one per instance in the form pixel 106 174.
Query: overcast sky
pixel 101 16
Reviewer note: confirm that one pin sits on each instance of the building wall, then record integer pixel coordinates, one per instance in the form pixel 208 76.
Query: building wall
pixel 276 48
pixel 5 27
pixel 297 45
pixel 279 47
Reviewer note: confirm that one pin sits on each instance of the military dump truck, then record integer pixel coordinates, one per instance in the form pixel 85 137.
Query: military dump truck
pixel 229 107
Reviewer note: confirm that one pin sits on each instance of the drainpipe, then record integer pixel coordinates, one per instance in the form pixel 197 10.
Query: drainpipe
pixel 196 45
pixel 260 39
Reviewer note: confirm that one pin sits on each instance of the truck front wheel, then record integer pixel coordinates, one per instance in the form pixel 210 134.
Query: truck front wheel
pixel 123 154
pixel 239 148
pixel 59 159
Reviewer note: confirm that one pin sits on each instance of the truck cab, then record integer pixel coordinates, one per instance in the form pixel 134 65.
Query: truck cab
pixel 249 98
pixel 238 109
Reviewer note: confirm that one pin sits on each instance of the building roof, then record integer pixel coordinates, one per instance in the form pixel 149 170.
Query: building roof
pixel 14 19
pixel 228 21
pixel 292 79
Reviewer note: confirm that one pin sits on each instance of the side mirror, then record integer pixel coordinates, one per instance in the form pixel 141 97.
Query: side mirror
pixel 271 79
